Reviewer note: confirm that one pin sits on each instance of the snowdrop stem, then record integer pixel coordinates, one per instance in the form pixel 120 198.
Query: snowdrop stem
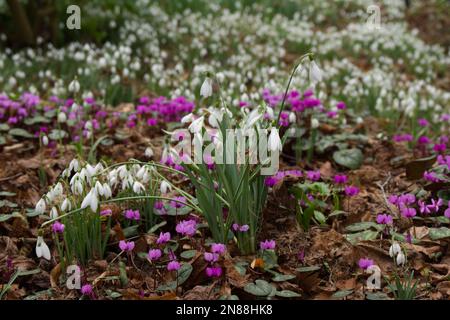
pixel 150 163
pixel 312 143
pixel 294 70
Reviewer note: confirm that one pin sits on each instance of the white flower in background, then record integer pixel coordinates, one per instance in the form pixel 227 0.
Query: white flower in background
pixel 45 140
pixel 66 205
pixel 99 188
pixel 40 206
pixel 53 213
pixel 62 117
pixel 74 165
pixel 165 187
pixel 315 74
pixel 90 200
pixel 314 123
pixel 187 118
pixel 148 152
pixel 254 117
pixel 138 187
pixel 197 125
pixel 42 249
pixel 107 193
pixel 274 140
pixel 292 117
pixel 394 249
pixel 401 259
pixel 206 88
pixel 74 86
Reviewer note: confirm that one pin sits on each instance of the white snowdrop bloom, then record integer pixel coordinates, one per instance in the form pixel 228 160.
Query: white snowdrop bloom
pixel 187 118
pixel 66 205
pixel 292 117
pixel 53 213
pixel 315 74
pixel 197 125
pixel 122 172
pixel 62 117
pixel 99 188
pixel 401 259
pixel 74 165
pixel 107 193
pixel 274 140
pixel 206 89
pixel 253 118
pixel 90 171
pixel 40 206
pixel 77 188
pixel 42 249
pixel 165 187
pixel 138 187
pixel 58 190
pixel 74 86
pixel 148 152
pixel 141 172
pixel 98 168
pixel 45 140
pixel 314 123
pixel 90 200
pixel 394 249
pixel 359 120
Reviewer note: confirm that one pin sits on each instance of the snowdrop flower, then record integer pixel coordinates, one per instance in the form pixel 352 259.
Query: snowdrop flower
pixel 74 86
pixel 196 125
pixel 401 259
pixel 66 205
pixel 90 200
pixel 274 140
pixel 165 187
pixel 74 165
pixel 107 193
pixel 148 152
pixel 42 249
pixel 292 117
pixel 40 206
pixel 45 140
pixel 315 74
pixel 138 187
pixel 394 250
pixel 187 118
pixel 99 188
pixel 53 213
pixel 206 88
pixel 62 117
pixel 314 123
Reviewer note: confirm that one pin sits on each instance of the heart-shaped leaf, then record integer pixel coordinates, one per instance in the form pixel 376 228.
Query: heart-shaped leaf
pixel 260 288
pixel 287 294
pixel 439 233
pixel 349 158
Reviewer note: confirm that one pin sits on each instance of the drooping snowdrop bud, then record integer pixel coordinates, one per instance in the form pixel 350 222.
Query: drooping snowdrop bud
pixel 74 86
pixel 196 125
pixel 315 74
pixel 77 187
pixel 99 188
pixel 292 117
pixel 90 170
pixel 141 172
pixel 148 152
pixel 107 193
pixel 42 249
pixel 66 205
pixel 187 118
pixel 62 117
pixel 54 213
pixel 274 140
pixel 394 249
pixel 138 187
pixel 401 259
pixel 74 165
pixel 314 123
pixel 206 89
pixel 90 200
pixel 165 187
pixel 40 206
pixel 45 140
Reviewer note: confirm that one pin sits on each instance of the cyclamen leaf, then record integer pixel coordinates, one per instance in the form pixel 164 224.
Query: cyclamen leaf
pixel 341 294
pixel 288 294
pixel 349 158
pixel 439 233
pixel 260 288
pixel 183 274
pixel 188 254
pixel 282 277
pixel 19 132
pixel 308 269
pixel 361 236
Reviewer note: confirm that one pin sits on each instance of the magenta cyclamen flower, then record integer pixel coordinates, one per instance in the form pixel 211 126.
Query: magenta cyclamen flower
pixel 351 191
pixel 214 272
pixel 430 176
pixel 267 245
pixel 126 246
pixel 447 212
pixel 423 208
pixel 178 202
pixel 340 179
pixel 211 257
pixel 313 175
pixel 435 205
pixel 106 212
pixel 154 254
pixel 186 227
pixel 218 248
pixel 237 227
pixel 132 214
pixel 86 290
pixel 365 263
pixel 58 227
pixel 163 238
pixel 423 122
pixel 408 212
pixel 384 219
pixel 173 265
